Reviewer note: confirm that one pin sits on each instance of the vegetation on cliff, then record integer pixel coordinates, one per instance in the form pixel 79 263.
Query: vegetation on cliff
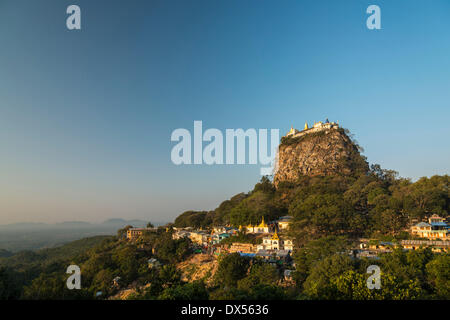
pixel 322 153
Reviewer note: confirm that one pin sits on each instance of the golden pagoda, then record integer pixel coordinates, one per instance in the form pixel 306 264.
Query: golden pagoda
pixel 275 236
pixel 306 126
pixel 262 224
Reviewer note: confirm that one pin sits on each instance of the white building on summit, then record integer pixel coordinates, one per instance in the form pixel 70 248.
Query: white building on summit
pixel 318 126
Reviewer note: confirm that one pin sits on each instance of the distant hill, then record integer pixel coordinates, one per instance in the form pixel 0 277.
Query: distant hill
pixel 32 236
pixel 5 253
pixel 122 222
pixel 74 224
pixel 66 251
pixel 71 224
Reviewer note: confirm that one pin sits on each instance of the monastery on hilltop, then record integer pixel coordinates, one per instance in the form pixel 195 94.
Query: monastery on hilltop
pixel 318 126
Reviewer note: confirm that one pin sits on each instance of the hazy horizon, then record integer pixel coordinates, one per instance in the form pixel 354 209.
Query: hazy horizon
pixel 142 218
pixel 93 222
pixel 86 116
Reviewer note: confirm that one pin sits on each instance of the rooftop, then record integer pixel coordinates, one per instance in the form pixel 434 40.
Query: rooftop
pixel 423 224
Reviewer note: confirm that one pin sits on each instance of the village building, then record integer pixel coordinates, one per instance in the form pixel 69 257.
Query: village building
pixel 134 233
pixel 199 237
pixel 179 234
pixel 436 228
pixel 284 222
pixel 436 246
pixel 369 254
pixel 216 238
pixel 383 246
pixel 230 230
pixel 275 243
pixel 242 248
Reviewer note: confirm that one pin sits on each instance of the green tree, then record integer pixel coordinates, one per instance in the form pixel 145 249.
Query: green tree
pixel 9 286
pixel 319 284
pixel 189 291
pixel 438 275
pixel 231 269
pixel 312 252
pixel 260 273
pixel 352 285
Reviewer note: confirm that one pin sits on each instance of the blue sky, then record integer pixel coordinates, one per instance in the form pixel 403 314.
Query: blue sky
pixel 86 116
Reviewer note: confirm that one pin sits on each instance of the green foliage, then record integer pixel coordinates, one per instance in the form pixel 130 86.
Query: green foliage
pixel 101 259
pixel 195 219
pixel 370 205
pixel 316 250
pixel 352 286
pixel 265 186
pixel 189 291
pixel 10 288
pixel 221 214
pixel 242 237
pixel 52 287
pixel 319 284
pixel 324 270
pixel 418 274
pixel 227 293
pixel 438 275
pixel 261 280
pixel 253 208
pixel 169 250
pixel 232 268
pixel 265 292
pixel 424 197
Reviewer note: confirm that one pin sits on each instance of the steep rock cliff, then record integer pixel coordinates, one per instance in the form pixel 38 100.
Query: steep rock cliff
pixel 328 152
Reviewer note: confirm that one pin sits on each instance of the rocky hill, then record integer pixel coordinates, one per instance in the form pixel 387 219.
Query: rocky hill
pixel 327 152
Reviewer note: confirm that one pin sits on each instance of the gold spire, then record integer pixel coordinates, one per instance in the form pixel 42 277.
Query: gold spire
pixel 306 126
pixel 275 236
pixel 262 224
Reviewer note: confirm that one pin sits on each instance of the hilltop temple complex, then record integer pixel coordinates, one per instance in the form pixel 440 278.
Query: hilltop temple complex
pixel 317 126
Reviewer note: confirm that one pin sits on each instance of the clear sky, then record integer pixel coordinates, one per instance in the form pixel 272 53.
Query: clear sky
pixel 86 116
